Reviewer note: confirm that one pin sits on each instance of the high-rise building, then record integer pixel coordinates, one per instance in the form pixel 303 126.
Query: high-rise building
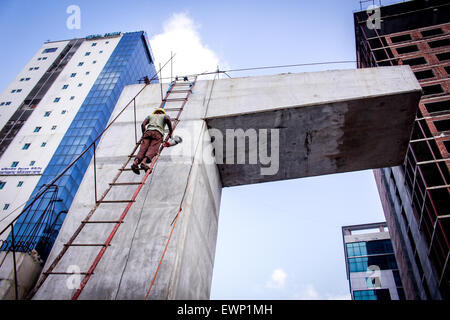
pixel 416 195
pixel 370 263
pixel 55 108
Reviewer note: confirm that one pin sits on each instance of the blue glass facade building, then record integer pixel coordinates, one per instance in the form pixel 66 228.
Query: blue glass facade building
pixel 130 61
pixel 371 264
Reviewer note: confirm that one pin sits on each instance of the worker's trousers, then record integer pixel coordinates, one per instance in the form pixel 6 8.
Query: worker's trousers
pixel 151 140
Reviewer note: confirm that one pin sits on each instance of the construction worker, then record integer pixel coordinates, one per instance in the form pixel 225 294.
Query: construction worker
pixel 152 137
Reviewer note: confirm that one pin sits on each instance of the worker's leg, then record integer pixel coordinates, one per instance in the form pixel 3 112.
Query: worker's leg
pixel 145 143
pixel 155 142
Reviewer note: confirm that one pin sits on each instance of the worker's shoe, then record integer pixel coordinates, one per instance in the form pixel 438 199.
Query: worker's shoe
pixel 135 168
pixel 144 166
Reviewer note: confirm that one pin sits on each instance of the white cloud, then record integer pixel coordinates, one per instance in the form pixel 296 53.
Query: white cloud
pixel 277 279
pixel 308 293
pixel 180 35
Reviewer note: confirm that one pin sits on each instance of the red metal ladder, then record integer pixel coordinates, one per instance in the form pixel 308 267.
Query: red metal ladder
pixel 187 88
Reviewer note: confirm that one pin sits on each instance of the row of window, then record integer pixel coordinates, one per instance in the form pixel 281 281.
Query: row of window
pixel 369 248
pixel 5 103
pixel 16 90
pixel 16 163
pixel 33 68
pixel 42 58
pixel 25 79
pixel 3 183
pixel 37 129
pixel 26 146
pixel 48 113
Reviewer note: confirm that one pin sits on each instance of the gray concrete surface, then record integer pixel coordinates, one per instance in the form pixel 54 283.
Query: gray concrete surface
pixel 330 122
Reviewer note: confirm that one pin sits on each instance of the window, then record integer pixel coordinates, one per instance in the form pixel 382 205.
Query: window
pixel 442 125
pixel 94 62
pixel 403 37
pixel 20 184
pixel 37 129
pixel 64 87
pixel 47 113
pixel 87 72
pixel 19 90
pixel 439 43
pixel 30 69
pixel 2 104
pixel 80 64
pixel 32 163
pixel 380 294
pixel 48 50
pixel 72 97
pixel 8 103
pixel 44 58
pixel 22 79
pixel 407 49
pixel 106 42
pixel 53 127
pixel 36 68
pixel 73 75
pixel 39 59
pixel 433 89
pixel 14 90
pixel 6 206
pixel 87 53
pixel 43 144
pixel 80 84
pixel 94 44
pixel 101 51
pixel 424 74
pixel 14 164
pixel 443 56
pixel 27 79
pixel 2 184
pixel 438 106
pixel 57 99
pixel 63 112
pixel 432 32
pixel 26 146
pixel 371 282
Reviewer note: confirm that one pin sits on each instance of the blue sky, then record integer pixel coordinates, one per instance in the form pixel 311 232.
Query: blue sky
pixel 279 240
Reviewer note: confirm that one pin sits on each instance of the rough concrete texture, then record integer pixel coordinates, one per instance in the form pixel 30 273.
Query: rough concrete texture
pixel 315 112
pixel 127 268
pixel 329 122
pixel 28 267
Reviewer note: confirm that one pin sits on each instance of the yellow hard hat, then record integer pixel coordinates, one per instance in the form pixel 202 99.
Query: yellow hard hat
pixel 159 110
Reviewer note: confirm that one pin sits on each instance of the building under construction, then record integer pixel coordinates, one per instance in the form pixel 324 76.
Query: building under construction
pixel 416 195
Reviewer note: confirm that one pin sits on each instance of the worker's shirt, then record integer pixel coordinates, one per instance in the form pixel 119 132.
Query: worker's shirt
pixel 157 122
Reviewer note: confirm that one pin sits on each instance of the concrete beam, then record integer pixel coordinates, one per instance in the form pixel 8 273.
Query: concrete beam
pixel 329 121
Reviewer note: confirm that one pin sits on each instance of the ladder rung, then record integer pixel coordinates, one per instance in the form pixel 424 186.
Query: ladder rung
pixel 115 201
pixel 86 245
pixel 180 90
pixel 129 169
pixel 124 183
pixel 172 109
pixel 101 221
pixel 175 99
pixel 67 273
